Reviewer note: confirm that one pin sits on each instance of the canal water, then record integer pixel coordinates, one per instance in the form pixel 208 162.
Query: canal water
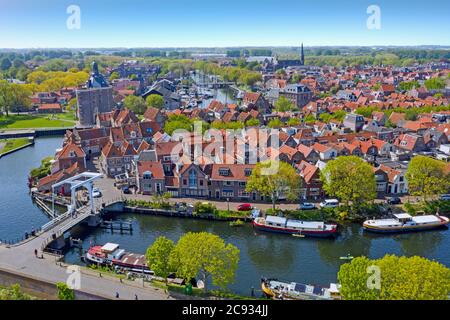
pixel 18 214
pixel 314 261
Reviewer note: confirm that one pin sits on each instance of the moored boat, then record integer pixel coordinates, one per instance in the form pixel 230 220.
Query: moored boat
pixel 111 255
pixel 293 227
pixel 406 223
pixel 280 290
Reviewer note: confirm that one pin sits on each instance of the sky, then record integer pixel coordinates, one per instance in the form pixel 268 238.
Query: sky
pixel 221 23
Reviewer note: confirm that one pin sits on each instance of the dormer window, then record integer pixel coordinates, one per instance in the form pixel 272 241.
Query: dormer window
pixel 72 154
pixel 225 172
pixel 147 175
pixel 248 172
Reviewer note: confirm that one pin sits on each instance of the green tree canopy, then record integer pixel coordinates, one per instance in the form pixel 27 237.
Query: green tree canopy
pixel 135 104
pixel 427 177
pixel 283 104
pixel 114 76
pixel 435 84
pixel 13 96
pixel 175 122
pixel 158 257
pixel 274 179
pixel 207 256
pixel 350 179
pixel 155 101
pixel 275 123
pixel 64 292
pixel 401 278
pixel 253 122
pixel 13 293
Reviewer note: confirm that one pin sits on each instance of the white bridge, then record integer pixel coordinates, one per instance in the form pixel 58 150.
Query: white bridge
pixel 78 213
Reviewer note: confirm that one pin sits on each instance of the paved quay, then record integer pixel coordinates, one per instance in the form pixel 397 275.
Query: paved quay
pixel 21 259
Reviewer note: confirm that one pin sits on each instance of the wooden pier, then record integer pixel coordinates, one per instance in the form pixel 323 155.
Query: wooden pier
pixel 117 225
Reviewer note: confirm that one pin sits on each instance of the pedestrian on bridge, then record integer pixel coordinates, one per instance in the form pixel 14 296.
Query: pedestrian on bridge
pixel 117 295
pixel 36 253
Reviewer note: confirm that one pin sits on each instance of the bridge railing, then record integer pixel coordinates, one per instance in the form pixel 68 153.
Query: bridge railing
pixel 18 240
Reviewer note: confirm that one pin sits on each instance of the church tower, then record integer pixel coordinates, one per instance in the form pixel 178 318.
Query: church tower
pixel 302 56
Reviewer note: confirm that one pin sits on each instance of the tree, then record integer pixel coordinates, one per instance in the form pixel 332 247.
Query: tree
pixel 155 101
pixel 13 293
pixel 207 256
pixel 114 76
pixel 158 257
pixel 309 119
pixel 273 179
pixel 435 84
pixel 13 96
pixel 350 179
pixel 275 123
pixel 5 64
pixel 426 177
pixel 64 292
pixel 293 122
pixel 401 278
pixel 178 122
pixel 253 122
pixel 135 104
pixel 283 104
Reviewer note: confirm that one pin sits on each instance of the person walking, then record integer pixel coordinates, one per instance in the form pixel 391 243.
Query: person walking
pixel 117 295
pixel 35 253
pixel 135 297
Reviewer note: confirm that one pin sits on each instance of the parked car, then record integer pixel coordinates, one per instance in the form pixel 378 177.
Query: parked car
pixel 394 200
pixel 307 206
pixel 96 193
pixel 126 190
pixel 445 197
pixel 245 207
pixel 329 203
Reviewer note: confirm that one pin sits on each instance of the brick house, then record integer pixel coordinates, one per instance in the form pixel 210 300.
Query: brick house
pixel 311 182
pixel 151 177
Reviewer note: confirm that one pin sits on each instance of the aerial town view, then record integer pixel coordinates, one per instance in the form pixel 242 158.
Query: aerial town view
pixel 224 151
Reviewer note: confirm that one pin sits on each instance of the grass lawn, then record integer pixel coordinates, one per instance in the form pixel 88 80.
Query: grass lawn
pixel 11 144
pixel 63 120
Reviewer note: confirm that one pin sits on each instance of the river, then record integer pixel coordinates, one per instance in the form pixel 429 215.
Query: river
pixel 18 214
pixel 314 261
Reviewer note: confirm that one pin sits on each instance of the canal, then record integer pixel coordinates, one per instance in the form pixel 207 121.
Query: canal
pixel 18 214
pixel 314 261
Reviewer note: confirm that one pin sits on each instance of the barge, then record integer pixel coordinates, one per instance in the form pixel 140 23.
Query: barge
pixel 295 227
pixel 111 255
pixel 404 222
pixel 279 290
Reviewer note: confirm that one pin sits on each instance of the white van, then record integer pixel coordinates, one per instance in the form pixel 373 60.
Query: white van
pixel 329 203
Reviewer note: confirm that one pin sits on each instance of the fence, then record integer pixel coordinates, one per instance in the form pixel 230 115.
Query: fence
pixel 26 236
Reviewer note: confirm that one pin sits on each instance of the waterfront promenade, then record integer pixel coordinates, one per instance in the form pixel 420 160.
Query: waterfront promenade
pixel 20 259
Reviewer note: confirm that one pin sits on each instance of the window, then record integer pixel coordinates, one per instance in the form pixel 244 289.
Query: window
pixel 192 179
pixel 248 172
pixel 201 183
pixel 184 182
pixel 225 172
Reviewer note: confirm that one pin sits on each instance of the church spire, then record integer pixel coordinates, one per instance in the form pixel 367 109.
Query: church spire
pixel 302 56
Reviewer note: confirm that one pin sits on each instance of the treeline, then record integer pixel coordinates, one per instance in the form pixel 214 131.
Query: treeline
pixel 249 52
pixel 234 74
